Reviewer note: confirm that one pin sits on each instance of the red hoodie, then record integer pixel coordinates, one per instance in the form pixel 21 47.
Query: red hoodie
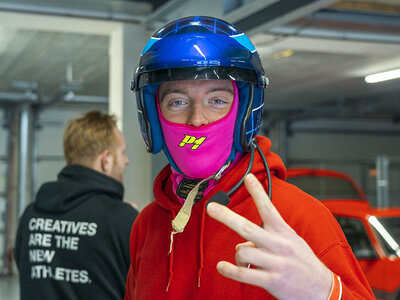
pixel 189 270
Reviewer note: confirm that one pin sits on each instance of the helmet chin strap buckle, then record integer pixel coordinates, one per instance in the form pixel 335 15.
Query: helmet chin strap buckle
pixel 218 175
pixel 183 216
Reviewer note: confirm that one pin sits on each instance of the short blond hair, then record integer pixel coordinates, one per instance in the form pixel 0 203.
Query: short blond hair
pixel 88 136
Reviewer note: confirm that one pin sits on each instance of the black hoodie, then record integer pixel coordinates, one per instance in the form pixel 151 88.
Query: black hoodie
pixel 73 241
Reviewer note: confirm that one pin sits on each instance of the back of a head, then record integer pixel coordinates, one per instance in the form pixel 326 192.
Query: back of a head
pixel 88 136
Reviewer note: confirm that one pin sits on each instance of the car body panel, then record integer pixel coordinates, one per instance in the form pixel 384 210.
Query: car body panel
pixel 381 270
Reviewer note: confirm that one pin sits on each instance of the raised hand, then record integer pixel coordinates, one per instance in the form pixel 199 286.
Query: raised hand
pixel 282 262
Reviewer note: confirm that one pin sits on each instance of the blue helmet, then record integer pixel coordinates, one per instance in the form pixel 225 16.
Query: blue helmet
pixel 203 48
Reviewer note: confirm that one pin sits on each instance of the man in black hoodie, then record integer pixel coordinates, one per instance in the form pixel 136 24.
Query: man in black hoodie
pixel 73 241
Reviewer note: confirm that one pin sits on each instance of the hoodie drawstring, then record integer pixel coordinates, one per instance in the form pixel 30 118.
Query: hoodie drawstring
pixel 171 258
pixel 199 273
pixel 180 220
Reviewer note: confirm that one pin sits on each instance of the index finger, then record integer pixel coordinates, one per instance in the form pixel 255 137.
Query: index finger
pixel 237 223
pixel 268 213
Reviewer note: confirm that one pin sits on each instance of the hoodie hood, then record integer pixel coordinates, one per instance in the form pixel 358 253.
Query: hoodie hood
pixel 75 184
pixel 167 199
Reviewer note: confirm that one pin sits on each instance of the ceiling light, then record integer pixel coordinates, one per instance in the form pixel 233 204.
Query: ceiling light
pixel 378 77
pixel 285 53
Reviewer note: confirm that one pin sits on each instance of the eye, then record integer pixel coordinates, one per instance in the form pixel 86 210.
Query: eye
pixel 218 101
pixel 176 103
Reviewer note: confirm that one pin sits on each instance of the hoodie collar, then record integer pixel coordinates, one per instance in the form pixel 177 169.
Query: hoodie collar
pixel 76 184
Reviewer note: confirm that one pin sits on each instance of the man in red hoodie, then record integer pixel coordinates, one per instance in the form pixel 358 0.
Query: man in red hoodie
pixel 199 89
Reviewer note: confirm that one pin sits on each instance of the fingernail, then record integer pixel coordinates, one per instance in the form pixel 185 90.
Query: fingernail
pixel 212 207
pixel 250 177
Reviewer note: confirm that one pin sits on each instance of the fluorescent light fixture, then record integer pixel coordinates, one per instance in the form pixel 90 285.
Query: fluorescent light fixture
pixel 378 77
pixel 285 53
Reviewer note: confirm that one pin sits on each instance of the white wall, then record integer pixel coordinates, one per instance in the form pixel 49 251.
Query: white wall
pixel 49 143
pixel 126 44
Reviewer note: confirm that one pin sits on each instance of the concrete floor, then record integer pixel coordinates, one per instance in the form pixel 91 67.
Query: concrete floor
pixel 9 287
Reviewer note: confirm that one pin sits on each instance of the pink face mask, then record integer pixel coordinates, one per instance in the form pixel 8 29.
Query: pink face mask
pixel 200 152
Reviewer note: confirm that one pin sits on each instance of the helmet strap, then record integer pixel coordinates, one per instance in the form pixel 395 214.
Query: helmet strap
pixel 183 216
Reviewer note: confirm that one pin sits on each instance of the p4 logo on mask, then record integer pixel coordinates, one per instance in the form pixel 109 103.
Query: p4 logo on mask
pixel 192 140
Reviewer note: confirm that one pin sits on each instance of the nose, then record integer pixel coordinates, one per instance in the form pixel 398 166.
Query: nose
pixel 197 116
pixel 126 160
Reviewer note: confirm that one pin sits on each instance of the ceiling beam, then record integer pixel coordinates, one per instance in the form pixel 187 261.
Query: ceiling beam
pixel 161 14
pixel 247 9
pixel 18 97
pixel 334 125
pixel 349 26
pixel 365 6
pixel 279 13
pixel 366 109
pixel 352 17
pixel 336 34
pixel 116 10
pixel 175 9
pixel 30 21
pixel 67 98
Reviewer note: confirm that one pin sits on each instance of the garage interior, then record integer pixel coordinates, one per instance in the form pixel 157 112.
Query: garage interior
pixel 58 59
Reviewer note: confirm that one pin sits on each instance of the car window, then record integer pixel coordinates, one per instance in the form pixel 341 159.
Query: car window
pixel 357 237
pixel 387 229
pixel 324 187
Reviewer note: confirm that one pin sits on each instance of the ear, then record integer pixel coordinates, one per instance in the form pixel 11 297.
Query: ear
pixel 106 161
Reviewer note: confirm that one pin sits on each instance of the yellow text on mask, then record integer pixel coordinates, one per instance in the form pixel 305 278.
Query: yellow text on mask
pixel 191 140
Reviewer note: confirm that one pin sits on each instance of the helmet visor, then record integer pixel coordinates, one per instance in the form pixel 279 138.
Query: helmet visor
pixel 196 73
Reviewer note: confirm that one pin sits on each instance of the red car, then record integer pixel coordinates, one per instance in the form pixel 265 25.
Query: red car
pixel 372 233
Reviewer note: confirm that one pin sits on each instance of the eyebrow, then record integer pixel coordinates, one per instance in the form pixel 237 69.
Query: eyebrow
pixel 216 89
pixel 183 91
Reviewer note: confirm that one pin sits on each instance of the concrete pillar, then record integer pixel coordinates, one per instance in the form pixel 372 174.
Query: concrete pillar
pixel 25 151
pixel 382 181
pixel 12 191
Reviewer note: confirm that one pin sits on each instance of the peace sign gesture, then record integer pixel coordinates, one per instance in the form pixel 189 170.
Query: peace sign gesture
pixel 284 264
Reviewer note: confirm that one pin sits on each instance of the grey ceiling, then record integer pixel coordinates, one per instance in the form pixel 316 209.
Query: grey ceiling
pixel 315 52
pixel 47 57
